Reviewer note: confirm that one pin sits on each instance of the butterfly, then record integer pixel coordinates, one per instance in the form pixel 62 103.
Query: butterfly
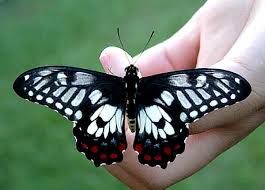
pixel 159 108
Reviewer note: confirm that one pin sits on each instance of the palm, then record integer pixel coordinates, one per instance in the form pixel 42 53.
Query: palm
pixel 196 45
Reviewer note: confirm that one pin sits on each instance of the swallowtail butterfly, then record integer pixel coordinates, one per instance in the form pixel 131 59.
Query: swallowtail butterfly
pixel 159 107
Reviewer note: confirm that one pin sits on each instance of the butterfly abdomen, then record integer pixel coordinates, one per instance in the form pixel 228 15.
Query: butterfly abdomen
pixel 131 84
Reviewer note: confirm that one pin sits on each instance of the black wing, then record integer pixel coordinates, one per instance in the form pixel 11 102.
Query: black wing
pixel 167 102
pixel 94 101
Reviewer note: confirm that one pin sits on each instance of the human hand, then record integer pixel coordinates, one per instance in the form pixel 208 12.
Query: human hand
pixel 225 34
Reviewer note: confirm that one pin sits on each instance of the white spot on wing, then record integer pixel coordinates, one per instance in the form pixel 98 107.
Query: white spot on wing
pixel 183 117
pixel 237 80
pixel 148 125
pixel 66 97
pixel 194 96
pixel 95 96
pixel 226 82
pixel 221 86
pixel 164 114
pixel 224 100
pixel 59 91
pixel 153 113
pixel 119 119
pixel 203 108
pixel 39 97
pixel 41 84
pixel 180 80
pixel 204 94
pixel 213 103
pixel 106 130
pixel 167 97
pixel 78 115
pixel 91 129
pixel 26 77
pixel 59 105
pixel 162 133
pixel 83 79
pixel 112 125
pixel 169 129
pixel 68 111
pixel 96 113
pixel 37 79
pixel 102 100
pixel 44 73
pixel 61 75
pixel 183 100
pixel 79 97
pixel 30 93
pixel 49 100
pixel 217 93
pixel 143 118
pixel 159 101
pixel 154 130
pixel 46 90
pixel 108 112
pixel 201 80
pixel 218 75
pixel 99 132
pixel 193 114
pixel 233 96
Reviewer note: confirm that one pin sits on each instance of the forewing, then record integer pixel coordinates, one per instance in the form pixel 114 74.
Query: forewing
pixel 94 101
pixel 167 102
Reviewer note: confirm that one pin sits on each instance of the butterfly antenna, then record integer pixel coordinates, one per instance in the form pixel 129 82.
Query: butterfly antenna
pixel 144 47
pixel 122 46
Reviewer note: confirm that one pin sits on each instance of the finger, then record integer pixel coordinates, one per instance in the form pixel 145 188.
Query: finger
pixel 178 52
pixel 247 59
pixel 215 40
pixel 251 43
pixel 114 60
pixel 243 58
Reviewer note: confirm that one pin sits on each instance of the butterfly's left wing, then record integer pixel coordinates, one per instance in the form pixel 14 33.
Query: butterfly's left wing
pixel 167 102
pixel 94 101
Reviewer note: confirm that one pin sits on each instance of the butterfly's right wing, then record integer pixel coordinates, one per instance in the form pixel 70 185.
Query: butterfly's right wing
pixel 168 102
pixel 94 101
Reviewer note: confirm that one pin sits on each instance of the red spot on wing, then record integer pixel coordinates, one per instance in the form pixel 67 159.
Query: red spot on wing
pixel 147 157
pixel 177 146
pixel 167 150
pixel 158 157
pixel 139 148
pixel 113 155
pixel 122 147
pixel 94 149
pixel 84 146
pixel 103 156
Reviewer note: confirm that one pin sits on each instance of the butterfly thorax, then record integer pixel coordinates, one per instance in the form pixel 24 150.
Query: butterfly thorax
pixel 131 81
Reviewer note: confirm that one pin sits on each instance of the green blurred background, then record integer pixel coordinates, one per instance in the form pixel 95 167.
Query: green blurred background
pixel 37 148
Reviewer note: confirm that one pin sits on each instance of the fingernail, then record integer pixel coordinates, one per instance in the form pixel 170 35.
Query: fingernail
pixel 105 61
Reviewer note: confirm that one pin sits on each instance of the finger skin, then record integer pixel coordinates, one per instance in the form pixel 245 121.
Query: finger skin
pixel 114 60
pixel 177 53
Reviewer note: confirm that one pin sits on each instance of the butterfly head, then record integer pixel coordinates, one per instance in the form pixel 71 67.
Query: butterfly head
pixel 132 70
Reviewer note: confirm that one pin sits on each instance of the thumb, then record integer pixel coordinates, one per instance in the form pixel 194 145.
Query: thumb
pixel 114 60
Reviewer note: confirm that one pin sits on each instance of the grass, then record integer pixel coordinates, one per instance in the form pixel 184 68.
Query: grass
pixel 37 146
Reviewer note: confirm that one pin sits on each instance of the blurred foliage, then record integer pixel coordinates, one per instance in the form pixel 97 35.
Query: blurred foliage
pixel 37 146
